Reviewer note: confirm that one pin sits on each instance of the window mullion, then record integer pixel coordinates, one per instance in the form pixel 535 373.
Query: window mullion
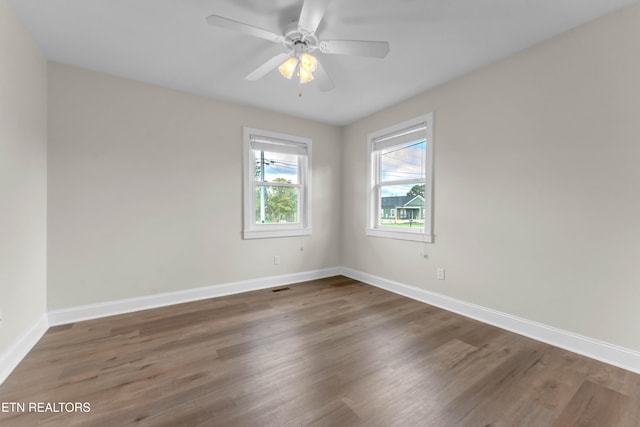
pixel 277 184
pixel 404 182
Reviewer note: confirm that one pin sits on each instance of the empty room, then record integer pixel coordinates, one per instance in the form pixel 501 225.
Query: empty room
pixel 319 212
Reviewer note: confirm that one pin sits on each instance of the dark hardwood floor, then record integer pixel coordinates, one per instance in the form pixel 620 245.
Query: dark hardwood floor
pixel 332 352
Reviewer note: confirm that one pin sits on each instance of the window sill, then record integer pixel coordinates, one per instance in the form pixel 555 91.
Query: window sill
pixel 400 235
pixel 264 234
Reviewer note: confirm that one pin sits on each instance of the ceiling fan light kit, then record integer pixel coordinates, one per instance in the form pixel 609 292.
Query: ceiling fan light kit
pixel 299 43
pixel 305 76
pixel 288 67
pixel 308 62
pixel 299 60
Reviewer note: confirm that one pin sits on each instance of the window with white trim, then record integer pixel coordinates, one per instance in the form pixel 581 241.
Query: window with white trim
pixel 400 178
pixel 277 184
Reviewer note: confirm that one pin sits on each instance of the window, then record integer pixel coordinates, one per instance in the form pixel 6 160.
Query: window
pixel 401 181
pixel 277 184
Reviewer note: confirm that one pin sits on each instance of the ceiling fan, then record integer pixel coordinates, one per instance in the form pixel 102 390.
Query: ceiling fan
pixel 300 41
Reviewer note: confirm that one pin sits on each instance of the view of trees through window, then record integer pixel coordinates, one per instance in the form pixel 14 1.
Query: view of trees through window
pixel 416 190
pixel 277 189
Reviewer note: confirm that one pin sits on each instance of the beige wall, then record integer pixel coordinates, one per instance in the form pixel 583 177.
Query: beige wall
pixel 145 189
pixel 23 190
pixel 537 185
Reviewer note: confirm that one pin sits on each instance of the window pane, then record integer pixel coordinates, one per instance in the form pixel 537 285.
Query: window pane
pixel 276 205
pixel 276 167
pixel 406 161
pixel 402 205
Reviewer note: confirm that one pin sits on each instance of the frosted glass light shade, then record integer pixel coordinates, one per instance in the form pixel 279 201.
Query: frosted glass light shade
pixel 308 62
pixel 305 76
pixel 288 67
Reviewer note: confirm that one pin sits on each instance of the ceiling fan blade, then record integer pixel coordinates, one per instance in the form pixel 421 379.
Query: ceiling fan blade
pixel 262 70
pixel 325 84
pixel 222 22
pixel 355 47
pixel 311 15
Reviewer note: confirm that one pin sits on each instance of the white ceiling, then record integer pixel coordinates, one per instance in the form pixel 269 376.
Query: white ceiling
pixel 168 43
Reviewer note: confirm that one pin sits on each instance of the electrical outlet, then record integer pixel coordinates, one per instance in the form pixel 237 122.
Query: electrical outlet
pixel 440 273
pixel 276 259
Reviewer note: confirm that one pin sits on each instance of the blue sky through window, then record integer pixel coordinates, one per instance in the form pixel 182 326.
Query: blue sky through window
pixel 402 162
pixel 278 165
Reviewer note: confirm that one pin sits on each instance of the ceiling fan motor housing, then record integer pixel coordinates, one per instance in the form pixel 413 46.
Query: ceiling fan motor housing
pixel 299 42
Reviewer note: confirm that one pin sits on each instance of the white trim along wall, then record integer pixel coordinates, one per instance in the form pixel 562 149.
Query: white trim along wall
pixel 605 352
pixel 94 311
pixel 11 357
pixel 595 349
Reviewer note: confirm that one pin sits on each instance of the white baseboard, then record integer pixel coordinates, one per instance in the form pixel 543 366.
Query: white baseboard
pixel 10 358
pixel 599 350
pixel 94 311
pixel 605 352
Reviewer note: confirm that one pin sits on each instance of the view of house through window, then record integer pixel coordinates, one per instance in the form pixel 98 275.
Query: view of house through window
pixel 402 185
pixel 400 173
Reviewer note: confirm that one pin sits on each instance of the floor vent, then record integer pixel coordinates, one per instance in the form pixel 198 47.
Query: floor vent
pixel 281 289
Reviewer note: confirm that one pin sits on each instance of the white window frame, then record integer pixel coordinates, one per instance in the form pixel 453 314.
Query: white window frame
pixel 386 138
pixel 289 143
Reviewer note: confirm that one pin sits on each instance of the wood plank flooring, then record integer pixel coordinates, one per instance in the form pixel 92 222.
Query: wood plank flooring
pixel 330 352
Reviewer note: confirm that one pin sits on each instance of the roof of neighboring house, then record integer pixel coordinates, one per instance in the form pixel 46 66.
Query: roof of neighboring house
pixel 398 201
